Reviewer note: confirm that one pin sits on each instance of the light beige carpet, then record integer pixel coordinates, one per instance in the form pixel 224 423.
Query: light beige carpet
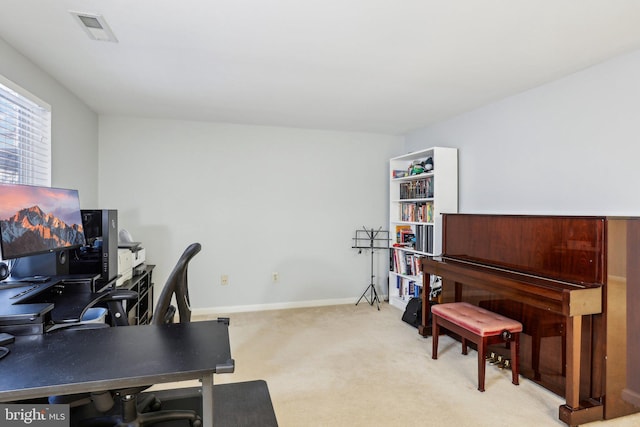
pixel 354 366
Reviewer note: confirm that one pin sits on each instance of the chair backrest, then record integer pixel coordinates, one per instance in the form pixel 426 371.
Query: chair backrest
pixel 176 285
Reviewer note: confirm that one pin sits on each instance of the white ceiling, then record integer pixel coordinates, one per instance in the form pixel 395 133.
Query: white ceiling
pixel 387 66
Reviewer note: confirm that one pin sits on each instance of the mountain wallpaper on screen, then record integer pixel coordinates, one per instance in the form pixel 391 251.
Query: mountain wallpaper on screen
pixel 32 230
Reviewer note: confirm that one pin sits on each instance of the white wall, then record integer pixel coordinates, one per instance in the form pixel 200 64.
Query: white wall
pixel 569 147
pixel 259 199
pixel 74 127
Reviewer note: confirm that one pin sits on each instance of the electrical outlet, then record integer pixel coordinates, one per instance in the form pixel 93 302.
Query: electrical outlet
pixel 274 276
pixel 224 280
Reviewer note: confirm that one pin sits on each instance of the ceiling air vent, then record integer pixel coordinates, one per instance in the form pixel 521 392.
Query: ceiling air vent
pixel 95 26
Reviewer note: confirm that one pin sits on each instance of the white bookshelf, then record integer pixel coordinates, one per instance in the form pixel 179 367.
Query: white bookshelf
pixel 416 204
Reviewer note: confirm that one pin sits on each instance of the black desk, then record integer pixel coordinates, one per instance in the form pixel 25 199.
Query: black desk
pixel 76 361
pixel 29 308
pixel 13 312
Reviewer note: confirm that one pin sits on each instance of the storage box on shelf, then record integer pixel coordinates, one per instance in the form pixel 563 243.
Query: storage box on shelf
pixel 141 310
pixel 424 184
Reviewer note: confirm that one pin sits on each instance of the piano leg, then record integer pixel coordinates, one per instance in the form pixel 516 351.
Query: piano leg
pixel 572 386
pixel 571 413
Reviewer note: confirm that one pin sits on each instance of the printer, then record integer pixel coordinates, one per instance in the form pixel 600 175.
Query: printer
pixel 131 257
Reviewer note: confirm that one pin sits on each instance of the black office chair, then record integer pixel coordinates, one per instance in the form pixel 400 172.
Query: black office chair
pixel 177 285
pixel 132 408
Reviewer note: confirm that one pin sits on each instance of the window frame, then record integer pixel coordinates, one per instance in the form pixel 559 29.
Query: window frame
pixel 32 158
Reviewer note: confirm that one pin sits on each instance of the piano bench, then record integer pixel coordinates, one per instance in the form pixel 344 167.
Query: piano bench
pixel 480 326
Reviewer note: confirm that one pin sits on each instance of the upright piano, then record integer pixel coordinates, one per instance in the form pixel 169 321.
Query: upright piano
pixel 566 278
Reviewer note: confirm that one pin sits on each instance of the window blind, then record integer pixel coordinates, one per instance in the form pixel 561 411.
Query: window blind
pixel 25 137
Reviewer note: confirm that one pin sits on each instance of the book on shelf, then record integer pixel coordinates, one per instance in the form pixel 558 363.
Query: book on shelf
pixel 424 238
pixel 407 237
pixel 429 187
pixel 408 289
pixel 399 229
pixel 406 263
pixel 400 262
pixel 419 189
pixel 416 211
pixel 417 290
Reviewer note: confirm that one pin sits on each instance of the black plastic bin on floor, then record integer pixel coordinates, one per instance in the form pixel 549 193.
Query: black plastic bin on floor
pixel 245 404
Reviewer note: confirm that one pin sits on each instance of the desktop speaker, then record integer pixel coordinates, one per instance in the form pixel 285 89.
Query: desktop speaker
pixel 4 270
pixel 62 258
pixel 49 264
pixel 62 266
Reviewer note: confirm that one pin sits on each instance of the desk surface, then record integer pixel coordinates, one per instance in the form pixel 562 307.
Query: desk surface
pixel 24 301
pixel 74 361
pixel 11 308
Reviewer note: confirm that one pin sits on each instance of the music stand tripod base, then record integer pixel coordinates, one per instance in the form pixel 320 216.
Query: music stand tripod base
pixel 371 239
pixel 374 296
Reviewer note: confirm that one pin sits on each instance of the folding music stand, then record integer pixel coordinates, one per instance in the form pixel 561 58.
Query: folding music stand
pixel 371 239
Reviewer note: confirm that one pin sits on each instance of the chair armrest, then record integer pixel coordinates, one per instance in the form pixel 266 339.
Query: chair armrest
pixel 118 295
pixel 114 299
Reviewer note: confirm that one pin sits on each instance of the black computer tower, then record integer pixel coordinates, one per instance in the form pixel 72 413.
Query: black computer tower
pixel 100 255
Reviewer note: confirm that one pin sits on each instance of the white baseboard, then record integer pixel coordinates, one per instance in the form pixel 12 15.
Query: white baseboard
pixel 276 306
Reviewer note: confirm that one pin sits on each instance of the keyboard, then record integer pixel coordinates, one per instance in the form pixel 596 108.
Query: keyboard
pixel 34 279
pixel 11 285
pixel 25 292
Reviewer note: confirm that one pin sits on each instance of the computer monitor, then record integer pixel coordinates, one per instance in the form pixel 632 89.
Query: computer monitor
pixel 36 220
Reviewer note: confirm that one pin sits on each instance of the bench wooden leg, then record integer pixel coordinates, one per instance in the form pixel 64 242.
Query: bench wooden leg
pixel 435 332
pixel 514 344
pixel 482 346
